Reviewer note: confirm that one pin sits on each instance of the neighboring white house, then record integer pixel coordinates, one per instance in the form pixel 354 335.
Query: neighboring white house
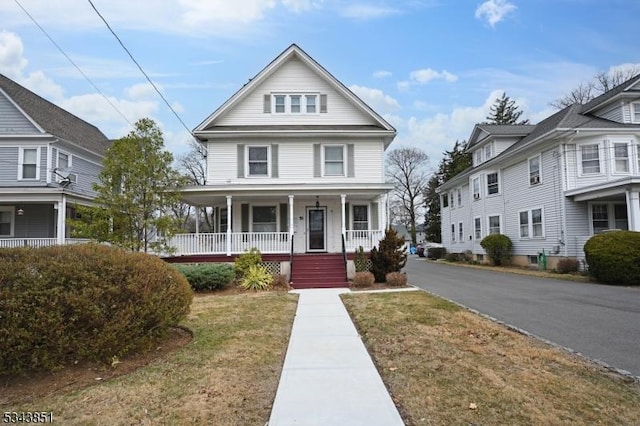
pixel 295 163
pixel 549 186
pixel 49 159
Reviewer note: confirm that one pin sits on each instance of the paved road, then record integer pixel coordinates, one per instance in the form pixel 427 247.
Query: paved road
pixel 601 322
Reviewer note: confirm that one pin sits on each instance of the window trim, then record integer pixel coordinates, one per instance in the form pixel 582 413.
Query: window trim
pixel 453 232
pixel 611 216
pixel 614 158
pixel 460 232
pixel 478 157
pixel 287 106
pixel 247 173
pixel 497 184
pixel 477 228
pixel 69 163
pixel 581 171
pixel 12 224
pixel 251 216
pixel 535 179
pixel 488 149
pixel 324 161
pixel 499 216
pixel 476 195
pixel 459 196
pixel 635 112
pixel 445 200
pixel 530 224
pixel 353 217
pixel 21 163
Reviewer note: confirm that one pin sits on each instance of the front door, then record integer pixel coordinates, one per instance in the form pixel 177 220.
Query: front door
pixel 316 229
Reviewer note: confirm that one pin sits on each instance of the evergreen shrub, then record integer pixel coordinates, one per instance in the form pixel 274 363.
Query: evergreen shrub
pixel 498 248
pixel 390 256
pixel 208 276
pixel 614 257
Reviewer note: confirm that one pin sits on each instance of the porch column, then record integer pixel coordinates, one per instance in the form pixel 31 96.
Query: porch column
pixel 62 218
pixel 633 210
pixel 229 225
pixel 383 217
pixel 343 210
pixel 291 226
pixel 197 219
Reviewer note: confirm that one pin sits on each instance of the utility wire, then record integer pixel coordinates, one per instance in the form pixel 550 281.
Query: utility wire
pixel 139 67
pixel 72 62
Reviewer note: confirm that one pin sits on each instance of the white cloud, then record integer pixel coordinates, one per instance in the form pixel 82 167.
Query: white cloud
pixel 302 5
pixel 424 76
pixel 375 98
pixel 142 91
pixel 382 74
pixel 494 11
pixel 364 11
pixel 12 61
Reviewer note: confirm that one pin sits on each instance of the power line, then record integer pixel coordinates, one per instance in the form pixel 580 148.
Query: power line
pixel 139 67
pixel 72 62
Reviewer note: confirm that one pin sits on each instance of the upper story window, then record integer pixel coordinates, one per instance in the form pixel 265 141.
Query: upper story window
pixel 621 157
pixel 6 221
pixel 283 103
pixel 635 112
pixel 475 183
pixel 295 104
pixel 334 160
pixel 459 194
pixel 492 183
pixel 29 165
pixel 488 152
pixel 590 158
pixel 445 200
pixel 311 103
pixel 258 160
pixel 361 218
pixel 534 170
pixel 478 157
pixel 279 101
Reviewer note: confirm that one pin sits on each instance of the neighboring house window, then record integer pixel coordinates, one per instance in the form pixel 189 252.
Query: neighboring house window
pixel 334 160
pixel 29 163
pixel 445 200
pixel 621 155
pixel 488 152
pixel 531 223
pixel 360 218
pixel 453 232
pixel 590 158
pixel 280 104
pixel 295 104
pixel 459 197
pixel 6 221
pixel 478 157
pixel 258 160
pixel 311 104
pixel 453 200
pixel 492 183
pixel 264 219
pixel 599 217
pixel 477 224
pixel 460 233
pixel 494 224
pixel 534 170
pixel 476 188
pixel 635 113
pixel 223 220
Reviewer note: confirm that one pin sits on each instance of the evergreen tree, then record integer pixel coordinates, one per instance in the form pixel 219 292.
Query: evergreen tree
pixel 505 111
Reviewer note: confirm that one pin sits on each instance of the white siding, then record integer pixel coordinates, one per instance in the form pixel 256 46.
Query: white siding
pixel 294 77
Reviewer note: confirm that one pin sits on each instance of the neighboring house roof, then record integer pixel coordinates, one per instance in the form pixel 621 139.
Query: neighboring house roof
pixel 632 85
pixel 210 125
pixel 55 120
pixel 484 131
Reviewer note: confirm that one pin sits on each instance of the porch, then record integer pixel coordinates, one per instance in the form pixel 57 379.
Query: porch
pixel 38 242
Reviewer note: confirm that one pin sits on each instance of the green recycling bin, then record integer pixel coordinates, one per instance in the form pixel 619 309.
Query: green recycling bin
pixel 542 261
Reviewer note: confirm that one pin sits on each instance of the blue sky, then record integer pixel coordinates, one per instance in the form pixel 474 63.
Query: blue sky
pixel 432 68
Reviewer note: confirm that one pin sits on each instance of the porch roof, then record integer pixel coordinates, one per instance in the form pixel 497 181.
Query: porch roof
pixel 607 190
pixel 204 195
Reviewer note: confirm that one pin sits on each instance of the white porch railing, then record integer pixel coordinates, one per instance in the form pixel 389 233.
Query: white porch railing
pixel 37 242
pixel 366 239
pixel 216 243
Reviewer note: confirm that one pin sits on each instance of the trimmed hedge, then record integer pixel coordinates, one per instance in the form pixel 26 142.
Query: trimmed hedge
pixel 614 257
pixel 498 248
pixel 64 304
pixel 208 276
pixel 435 253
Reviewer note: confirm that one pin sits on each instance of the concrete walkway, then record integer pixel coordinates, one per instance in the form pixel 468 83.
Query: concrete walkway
pixel 328 377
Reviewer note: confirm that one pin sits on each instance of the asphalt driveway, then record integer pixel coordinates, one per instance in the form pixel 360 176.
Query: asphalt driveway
pixel 598 321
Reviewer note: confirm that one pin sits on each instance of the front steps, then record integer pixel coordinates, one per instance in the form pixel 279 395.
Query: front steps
pixel 318 270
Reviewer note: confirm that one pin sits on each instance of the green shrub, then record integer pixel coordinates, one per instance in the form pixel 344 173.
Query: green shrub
pixel 256 278
pixel 454 257
pixel 246 260
pixel 280 282
pixel 208 276
pixel 396 279
pixel 436 253
pixel 568 265
pixel 363 279
pixel 92 302
pixel 498 248
pixel 614 257
pixel 360 260
pixel 390 256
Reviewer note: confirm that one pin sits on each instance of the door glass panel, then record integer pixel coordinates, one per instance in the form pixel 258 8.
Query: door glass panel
pixel 316 230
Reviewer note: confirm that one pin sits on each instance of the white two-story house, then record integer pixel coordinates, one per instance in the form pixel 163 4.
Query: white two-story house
pixel 295 164
pixel 49 159
pixel 551 186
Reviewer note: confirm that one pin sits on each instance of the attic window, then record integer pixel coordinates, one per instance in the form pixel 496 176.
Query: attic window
pixel 294 104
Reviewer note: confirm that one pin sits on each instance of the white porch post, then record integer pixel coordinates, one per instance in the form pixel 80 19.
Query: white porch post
pixel 343 210
pixel 291 226
pixel 197 219
pixel 228 225
pixel 383 216
pixel 633 210
pixel 62 218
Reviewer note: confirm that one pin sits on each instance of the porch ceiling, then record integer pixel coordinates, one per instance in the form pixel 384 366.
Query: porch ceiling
pixel 215 194
pixel 608 191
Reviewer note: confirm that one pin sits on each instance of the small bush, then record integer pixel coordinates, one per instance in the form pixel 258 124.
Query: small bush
pixel 363 279
pixel 83 302
pixel 360 261
pixel 498 248
pixel 390 256
pixel 454 257
pixel 396 279
pixel 568 266
pixel 208 276
pixel 256 278
pixel 614 257
pixel 246 260
pixel 435 253
pixel 280 282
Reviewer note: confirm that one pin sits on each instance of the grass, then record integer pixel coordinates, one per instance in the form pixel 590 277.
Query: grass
pixel 444 365
pixel 227 375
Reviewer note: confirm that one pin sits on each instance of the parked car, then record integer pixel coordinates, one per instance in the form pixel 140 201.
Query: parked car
pixel 421 249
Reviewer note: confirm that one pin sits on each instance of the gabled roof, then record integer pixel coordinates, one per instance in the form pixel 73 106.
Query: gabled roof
pixel 55 120
pixel 293 51
pixel 483 131
pixel 631 85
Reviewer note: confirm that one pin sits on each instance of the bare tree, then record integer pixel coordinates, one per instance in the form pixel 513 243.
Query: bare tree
pixel 601 82
pixel 407 171
pixel 193 165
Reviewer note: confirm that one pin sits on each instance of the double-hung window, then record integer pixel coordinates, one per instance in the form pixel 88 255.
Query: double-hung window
pixel 494 224
pixel 599 217
pixel 295 104
pixel 29 163
pixel 460 232
pixel 635 112
pixel 531 223
pixel 6 221
pixel 334 160
pixel 590 158
pixel 475 183
pixel 280 106
pixel 478 157
pixel 534 170
pixel 445 199
pixel 360 218
pixel 258 159
pixel 265 219
pixel 488 152
pixel 223 220
pixel 311 103
pixel 621 156
pixel 492 183
pixel 453 232
pixel 459 193
pixel 477 225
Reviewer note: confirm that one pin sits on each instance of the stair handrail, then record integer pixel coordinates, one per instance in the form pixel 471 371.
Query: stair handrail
pixel 344 258
pixel 291 260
